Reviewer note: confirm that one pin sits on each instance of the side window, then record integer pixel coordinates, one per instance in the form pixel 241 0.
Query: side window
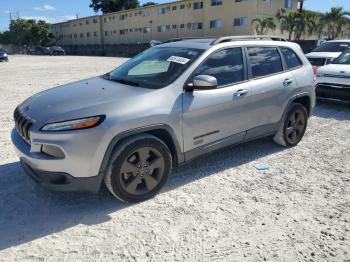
pixel 225 65
pixel 292 60
pixel 264 61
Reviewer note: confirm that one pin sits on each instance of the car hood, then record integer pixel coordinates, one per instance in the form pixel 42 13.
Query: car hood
pixel 94 96
pixel 323 55
pixel 335 70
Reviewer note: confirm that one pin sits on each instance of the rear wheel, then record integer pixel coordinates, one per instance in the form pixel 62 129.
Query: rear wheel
pixel 293 128
pixel 138 169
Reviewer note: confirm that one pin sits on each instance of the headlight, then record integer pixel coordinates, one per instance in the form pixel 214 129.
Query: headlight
pixel 74 124
pixel 5 55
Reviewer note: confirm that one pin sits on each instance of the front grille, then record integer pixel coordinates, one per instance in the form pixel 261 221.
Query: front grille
pixel 23 124
pixel 317 61
pixel 333 91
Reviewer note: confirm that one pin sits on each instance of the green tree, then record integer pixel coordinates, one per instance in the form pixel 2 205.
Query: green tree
pixel 27 32
pixel 264 24
pixel 109 6
pixel 334 21
pixel 290 22
pixel 149 4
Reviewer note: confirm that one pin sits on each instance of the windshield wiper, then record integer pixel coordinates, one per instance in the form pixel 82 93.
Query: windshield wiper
pixel 124 81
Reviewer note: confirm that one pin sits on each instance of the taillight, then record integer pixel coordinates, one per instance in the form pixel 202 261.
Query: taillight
pixel 315 69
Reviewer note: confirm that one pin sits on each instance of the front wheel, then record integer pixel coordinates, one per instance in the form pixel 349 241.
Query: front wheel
pixel 294 126
pixel 138 168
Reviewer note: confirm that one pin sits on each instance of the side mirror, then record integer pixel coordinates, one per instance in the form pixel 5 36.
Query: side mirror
pixel 203 82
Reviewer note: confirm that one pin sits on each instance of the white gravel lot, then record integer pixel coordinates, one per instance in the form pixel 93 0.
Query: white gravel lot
pixel 217 208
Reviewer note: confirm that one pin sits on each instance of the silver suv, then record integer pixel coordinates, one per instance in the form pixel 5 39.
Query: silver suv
pixel 164 107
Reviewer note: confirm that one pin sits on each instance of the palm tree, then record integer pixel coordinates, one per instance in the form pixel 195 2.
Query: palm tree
pixel 264 24
pixel 335 20
pixel 291 22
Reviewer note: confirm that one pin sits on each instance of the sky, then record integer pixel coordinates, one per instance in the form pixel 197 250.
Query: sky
pixel 61 10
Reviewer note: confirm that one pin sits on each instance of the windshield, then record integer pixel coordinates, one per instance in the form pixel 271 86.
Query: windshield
pixel 343 59
pixel 332 47
pixel 156 67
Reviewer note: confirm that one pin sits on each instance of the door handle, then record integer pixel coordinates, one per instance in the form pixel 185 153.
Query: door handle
pixel 288 82
pixel 240 93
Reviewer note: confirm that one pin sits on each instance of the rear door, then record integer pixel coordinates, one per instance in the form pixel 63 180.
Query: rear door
pixel 272 86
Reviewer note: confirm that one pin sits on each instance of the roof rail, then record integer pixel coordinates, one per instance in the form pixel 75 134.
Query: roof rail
pixel 247 37
pixel 185 38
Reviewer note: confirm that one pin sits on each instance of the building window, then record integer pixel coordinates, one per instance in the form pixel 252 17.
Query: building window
pixel 81 35
pixel 238 1
pixel 146 13
pixel 122 17
pixel 215 23
pixel 197 26
pixel 146 30
pixel 80 23
pixel 161 11
pixel 174 26
pixel 95 33
pixel 174 7
pixel 182 6
pixel 87 22
pixel 75 36
pixel 105 20
pixel 123 31
pixel 161 28
pixel 182 26
pixel 198 5
pixel 114 31
pixel 106 33
pixel 95 21
pixel 240 21
pixel 88 34
pixel 216 2
pixel 266 1
pixel 288 4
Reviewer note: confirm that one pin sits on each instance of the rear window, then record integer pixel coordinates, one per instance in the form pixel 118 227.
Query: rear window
pixel 291 58
pixel 264 61
pixel 332 47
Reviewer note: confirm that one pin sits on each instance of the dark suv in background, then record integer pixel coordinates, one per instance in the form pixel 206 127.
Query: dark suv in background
pixel 3 55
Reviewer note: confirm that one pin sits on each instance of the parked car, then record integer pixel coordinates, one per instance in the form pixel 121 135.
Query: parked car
pixel 333 80
pixel 327 52
pixel 164 107
pixel 39 50
pixel 57 50
pixel 3 55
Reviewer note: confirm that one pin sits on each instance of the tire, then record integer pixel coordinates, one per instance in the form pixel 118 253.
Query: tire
pixel 291 132
pixel 149 161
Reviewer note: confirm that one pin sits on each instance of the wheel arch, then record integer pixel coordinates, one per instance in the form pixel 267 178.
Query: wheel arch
pixel 305 100
pixel 163 132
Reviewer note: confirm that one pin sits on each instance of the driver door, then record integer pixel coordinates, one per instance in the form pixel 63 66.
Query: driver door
pixel 219 114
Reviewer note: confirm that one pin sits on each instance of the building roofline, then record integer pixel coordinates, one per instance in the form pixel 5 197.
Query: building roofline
pixel 128 10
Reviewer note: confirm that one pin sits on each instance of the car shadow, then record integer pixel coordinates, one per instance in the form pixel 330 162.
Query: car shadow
pixel 29 212
pixel 332 110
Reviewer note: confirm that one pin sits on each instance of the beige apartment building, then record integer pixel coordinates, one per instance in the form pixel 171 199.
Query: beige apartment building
pixel 186 18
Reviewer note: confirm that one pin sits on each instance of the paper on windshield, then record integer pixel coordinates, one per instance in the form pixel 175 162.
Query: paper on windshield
pixel 178 59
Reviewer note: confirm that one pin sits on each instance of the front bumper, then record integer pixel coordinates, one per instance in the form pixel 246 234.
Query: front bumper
pixel 63 182
pixel 55 174
pixel 4 58
pixel 333 92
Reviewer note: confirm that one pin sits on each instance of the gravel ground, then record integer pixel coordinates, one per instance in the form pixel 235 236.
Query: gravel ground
pixel 217 208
